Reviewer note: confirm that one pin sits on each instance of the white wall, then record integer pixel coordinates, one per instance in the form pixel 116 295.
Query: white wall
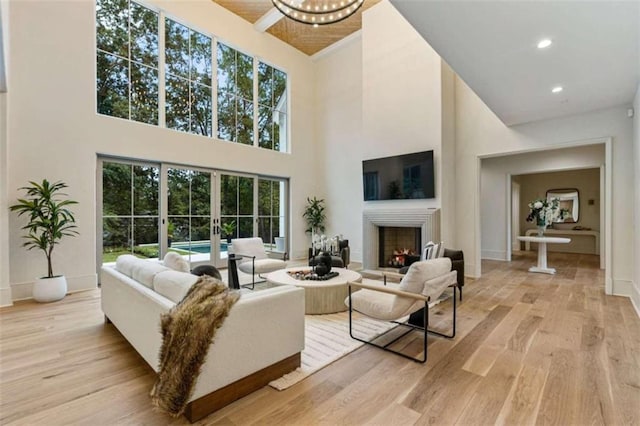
pixel 54 132
pixel 381 95
pixel 496 185
pixel 635 294
pixel 480 133
pixel 339 129
pixel 5 287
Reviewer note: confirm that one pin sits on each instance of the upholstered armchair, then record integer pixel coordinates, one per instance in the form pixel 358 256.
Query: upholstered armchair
pixel 424 282
pixel 457 264
pixel 339 259
pixel 254 259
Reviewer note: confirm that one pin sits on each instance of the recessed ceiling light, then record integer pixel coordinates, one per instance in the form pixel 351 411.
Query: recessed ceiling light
pixel 556 89
pixel 544 43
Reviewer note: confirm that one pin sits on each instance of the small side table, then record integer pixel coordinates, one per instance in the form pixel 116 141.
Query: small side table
pixel 542 251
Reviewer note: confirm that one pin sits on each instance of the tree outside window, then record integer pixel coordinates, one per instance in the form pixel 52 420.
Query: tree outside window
pixel 127 60
pixel 271 219
pixel 235 95
pixel 187 79
pixel 127 83
pixel 130 210
pixel 272 108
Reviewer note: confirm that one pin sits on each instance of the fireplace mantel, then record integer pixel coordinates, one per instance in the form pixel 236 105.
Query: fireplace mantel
pixel 427 219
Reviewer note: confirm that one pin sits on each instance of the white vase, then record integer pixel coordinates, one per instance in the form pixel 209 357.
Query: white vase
pixel 541 229
pixel 279 244
pixel 49 289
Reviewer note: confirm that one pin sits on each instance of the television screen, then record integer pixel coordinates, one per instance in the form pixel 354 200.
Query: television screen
pixel 402 177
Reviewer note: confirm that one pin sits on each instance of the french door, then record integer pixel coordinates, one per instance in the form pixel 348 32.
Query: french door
pixel 188 219
pixel 148 209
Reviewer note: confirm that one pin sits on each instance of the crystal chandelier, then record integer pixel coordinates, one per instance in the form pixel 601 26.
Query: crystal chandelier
pixel 317 12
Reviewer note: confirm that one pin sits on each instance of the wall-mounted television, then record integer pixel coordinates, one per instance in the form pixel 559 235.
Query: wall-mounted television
pixel 401 177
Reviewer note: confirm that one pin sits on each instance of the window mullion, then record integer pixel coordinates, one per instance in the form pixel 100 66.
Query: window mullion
pixel 256 113
pixel 214 88
pixel 189 79
pixel 132 186
pixel 130 86
pixel 161 70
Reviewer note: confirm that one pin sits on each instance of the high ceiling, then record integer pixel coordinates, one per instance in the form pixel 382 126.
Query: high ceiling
pixel 303 37
pixel 492 46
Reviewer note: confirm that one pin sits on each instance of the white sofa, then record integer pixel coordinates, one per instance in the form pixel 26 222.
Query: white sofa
pixel 260 340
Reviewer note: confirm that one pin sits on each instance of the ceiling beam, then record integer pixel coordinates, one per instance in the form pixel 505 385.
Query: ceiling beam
pixel 267 20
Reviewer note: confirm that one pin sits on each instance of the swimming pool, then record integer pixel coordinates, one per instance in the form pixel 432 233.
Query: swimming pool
pixel 198 246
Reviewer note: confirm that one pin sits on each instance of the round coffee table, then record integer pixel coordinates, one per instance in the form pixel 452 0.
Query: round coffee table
pixel 321 297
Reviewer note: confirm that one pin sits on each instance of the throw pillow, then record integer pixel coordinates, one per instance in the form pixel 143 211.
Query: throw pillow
pixel 176 262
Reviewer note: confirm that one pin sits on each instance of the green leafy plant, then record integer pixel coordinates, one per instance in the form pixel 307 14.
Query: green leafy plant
pixel 314 215
pixel 49 217
pixel 228 228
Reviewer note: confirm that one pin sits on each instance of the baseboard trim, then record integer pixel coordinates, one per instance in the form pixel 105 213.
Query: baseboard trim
pixel 635 297
pixel 23 291
pixel 470 270
pixel 494 255
pixel 622 288
pixel 5 297
pixel 214 401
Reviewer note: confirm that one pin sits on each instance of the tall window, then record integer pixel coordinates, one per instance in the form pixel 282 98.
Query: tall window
pixel 271 219
pixel 130 210
pixel 128 86
pixel 188 79
pixel 272 108
pixel 127 56
pixel 236 204
pixel 235 95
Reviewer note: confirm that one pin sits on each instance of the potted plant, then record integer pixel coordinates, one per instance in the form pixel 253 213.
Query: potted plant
pixel 315 216
pixel 228 228
pixel 49 221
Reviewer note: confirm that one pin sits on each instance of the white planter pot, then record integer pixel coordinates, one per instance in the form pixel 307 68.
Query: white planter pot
pixel 49 289
pixel 279 244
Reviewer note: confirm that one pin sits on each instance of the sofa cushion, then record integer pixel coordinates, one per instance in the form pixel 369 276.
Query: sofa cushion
pixel 145 270
pixel 125 264
pixel 176 262
pixel 173 284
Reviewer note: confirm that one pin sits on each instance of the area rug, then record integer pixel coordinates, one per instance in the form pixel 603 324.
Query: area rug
pixel 327 340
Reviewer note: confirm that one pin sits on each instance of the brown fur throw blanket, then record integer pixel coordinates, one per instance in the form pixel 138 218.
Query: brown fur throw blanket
pixel 188 330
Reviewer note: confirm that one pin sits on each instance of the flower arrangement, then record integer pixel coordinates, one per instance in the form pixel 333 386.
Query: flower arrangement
pixel 544 211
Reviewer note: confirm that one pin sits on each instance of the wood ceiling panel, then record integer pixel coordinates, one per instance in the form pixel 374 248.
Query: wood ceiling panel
pixel 303 37
pixel 251 10
pixel 311 40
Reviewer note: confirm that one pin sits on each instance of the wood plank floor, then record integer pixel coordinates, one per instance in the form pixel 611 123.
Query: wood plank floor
pixel 530 348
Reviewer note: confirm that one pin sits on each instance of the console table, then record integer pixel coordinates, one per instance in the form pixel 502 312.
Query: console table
pixel 594 234
pixel 542 251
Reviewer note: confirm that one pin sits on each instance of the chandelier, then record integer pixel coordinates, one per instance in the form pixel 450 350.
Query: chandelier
pixel 317 12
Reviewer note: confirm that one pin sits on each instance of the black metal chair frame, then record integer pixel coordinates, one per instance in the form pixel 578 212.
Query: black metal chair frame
pixel 424 329
pixel 253 271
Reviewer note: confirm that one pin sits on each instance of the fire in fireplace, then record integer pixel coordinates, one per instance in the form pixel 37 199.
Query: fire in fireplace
pixel 399 246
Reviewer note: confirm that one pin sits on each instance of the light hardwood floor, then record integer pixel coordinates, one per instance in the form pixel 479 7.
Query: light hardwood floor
pixel 530 348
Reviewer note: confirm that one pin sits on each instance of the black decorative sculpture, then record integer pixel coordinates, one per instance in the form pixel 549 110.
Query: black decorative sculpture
pixel 323 265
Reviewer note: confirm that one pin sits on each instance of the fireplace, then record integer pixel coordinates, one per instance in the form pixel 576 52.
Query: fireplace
pixel 400 215
pixel 398 246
